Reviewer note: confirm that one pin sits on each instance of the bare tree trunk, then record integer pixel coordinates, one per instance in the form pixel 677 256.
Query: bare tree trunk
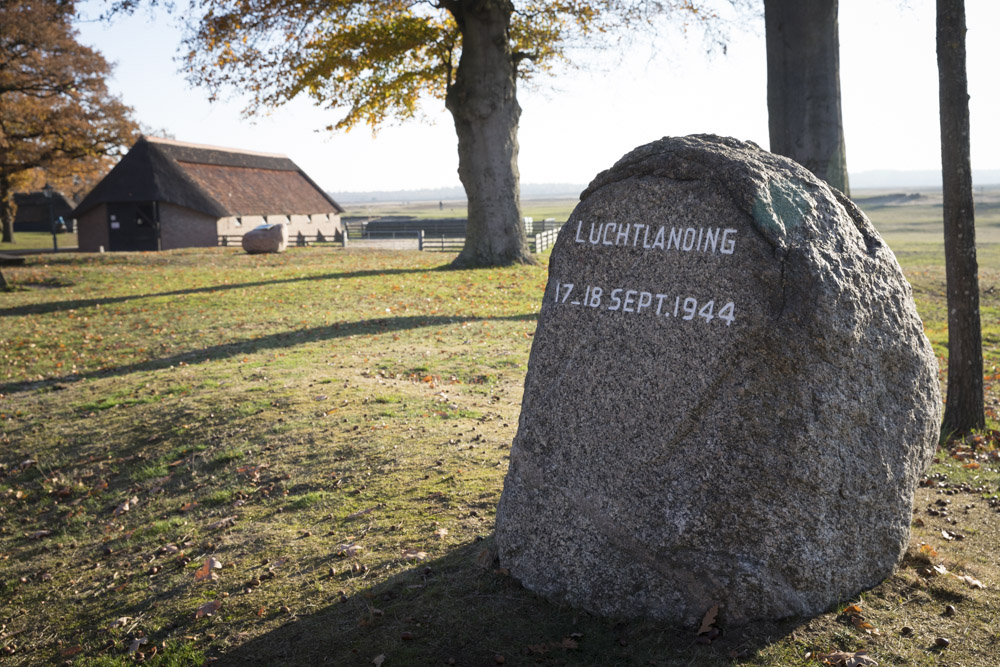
pixel 7 210
pixel 964 407
pixel 483 103
pixel 803 86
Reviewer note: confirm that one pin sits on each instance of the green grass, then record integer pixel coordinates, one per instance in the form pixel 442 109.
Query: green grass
pixel 314 421
pixel 38 241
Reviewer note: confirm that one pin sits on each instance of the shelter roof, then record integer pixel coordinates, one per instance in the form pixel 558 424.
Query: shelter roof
pixel 218 181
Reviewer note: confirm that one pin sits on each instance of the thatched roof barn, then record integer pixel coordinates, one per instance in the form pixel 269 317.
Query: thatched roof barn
pixel 166 194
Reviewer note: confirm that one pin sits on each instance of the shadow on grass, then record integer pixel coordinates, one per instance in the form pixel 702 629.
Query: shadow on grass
pixel 271 342
pixel 57 306
pixel 455 611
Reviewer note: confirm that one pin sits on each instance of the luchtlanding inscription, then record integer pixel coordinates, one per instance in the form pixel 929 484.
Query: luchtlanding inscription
pixel 729 398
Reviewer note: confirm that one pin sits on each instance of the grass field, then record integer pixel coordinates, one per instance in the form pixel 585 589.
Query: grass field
pixel 331 428
pixel 38 241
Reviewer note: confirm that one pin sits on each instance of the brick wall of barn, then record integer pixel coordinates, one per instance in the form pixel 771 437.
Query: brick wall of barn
pixel 309 225
pixel 184 228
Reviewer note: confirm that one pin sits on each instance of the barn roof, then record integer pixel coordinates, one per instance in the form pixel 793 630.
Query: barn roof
pixel 218 181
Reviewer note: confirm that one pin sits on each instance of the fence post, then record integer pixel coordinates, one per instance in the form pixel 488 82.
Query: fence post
pixel 420 239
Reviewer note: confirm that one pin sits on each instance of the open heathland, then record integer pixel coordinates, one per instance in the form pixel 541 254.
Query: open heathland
pixel 296 459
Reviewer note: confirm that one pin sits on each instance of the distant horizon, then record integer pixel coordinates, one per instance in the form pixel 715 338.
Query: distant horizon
pixel 875 179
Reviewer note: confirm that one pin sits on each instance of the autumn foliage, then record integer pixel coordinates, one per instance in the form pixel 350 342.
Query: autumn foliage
pixel 55 107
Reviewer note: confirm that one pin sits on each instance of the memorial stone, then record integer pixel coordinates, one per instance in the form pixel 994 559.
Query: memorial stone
pixel 729 399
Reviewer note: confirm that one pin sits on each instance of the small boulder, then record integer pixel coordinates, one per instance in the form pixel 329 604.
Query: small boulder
pixel 266 238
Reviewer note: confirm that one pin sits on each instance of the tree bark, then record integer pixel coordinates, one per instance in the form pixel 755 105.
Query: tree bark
pixel 483 103
pixel 964 410
pixel 803 86
pixel 7 211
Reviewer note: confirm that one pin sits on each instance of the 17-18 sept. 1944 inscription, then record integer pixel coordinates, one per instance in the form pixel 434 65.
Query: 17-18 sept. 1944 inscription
pixel 642 302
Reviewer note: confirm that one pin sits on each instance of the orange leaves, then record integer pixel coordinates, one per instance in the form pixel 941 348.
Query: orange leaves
pixel 252 471
pixel 207 570
pixel 853 615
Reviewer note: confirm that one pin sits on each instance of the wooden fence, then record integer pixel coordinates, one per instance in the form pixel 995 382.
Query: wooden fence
pixel 358 237
pixel 542 241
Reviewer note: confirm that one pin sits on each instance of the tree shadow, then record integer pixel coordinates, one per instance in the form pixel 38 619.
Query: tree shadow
pixel 57 306
pixel 270 342
pixel 463 609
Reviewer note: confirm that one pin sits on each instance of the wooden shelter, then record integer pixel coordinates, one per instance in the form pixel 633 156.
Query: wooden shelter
pixel 36 212
pixel 166 194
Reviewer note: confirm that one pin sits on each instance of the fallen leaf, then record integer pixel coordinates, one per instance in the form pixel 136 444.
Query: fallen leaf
pixel 70 651
pixel 208 608
pixel 38 534
pixel 205 571
pixel 441 532
pixel 222 523
pixel 378 660
pixel 360 513
pixel 413 554
pixel 946 535
pixel 126 506
pixel 123 620
pixel 568 643
pixel 186 507
pixel 845 659
pixel 971 581
pixel 940 569
pixel 136 643
pixel 709 620
pixel 928 550
pixel 348 550
pixel 853 610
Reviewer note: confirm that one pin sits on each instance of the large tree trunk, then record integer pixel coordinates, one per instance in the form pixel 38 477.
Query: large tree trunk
pixel 803 86
pixel 7 210
pixel 483 102
pixel 964 407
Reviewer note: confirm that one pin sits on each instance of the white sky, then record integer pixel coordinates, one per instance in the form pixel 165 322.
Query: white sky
pixel 581 122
